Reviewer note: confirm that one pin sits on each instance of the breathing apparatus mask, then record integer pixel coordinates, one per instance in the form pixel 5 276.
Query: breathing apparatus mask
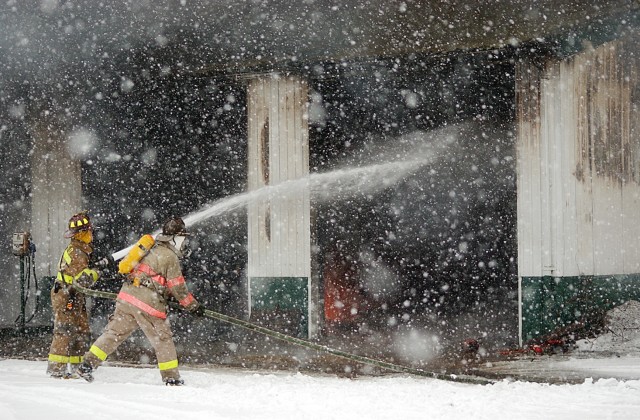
pixel 181 243
pixel 176 228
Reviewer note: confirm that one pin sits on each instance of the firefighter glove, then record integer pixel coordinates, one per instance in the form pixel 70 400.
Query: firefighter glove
pixel 104 262
pixel 198 311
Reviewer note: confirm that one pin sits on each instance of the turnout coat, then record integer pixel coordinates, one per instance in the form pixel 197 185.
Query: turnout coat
pixel 157 277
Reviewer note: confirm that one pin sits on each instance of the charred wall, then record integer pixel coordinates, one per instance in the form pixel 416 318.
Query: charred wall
pixel 171 146
pixel 445 235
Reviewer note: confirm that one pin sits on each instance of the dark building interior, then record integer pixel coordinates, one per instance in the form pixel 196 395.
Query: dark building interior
pixel 437 247
pixel 434 252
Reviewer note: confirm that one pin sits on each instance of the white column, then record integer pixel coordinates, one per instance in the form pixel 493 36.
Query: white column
pixel 56 193
pixel 279 222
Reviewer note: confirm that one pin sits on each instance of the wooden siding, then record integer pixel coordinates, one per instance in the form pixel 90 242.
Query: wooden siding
pixel 578 184
pixel 279 226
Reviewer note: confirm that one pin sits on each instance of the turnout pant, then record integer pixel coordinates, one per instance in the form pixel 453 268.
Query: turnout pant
pixel 71 332
pixel 125 320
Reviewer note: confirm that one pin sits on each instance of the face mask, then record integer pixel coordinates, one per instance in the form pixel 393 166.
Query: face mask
pixel 181 244
pixel 85 236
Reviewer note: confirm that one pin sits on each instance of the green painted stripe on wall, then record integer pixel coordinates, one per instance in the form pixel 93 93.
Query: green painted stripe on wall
pixel 549 303
pixel 275 298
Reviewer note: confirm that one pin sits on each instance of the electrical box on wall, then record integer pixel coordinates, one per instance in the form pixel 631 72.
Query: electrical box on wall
pixel 21 242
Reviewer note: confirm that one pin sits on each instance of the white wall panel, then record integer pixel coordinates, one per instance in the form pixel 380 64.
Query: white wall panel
pixel 279 229
pixel 528 163
pixel 578 186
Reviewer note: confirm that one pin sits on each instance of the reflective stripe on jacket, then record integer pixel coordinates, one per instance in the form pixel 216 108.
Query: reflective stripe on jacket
pixel 73 266
pixel 160 276
pixel 141 305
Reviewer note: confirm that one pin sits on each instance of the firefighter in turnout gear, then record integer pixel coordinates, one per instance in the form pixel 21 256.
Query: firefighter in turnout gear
pixel 71 333
pixel 142 303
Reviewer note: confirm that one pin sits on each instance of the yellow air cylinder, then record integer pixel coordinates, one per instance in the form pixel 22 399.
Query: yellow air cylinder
pixel 138 252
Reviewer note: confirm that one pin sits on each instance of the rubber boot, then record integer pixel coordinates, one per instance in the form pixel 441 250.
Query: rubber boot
pixel 85 371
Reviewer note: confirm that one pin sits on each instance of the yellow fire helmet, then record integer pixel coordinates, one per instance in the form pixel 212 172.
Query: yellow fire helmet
pixel 79 222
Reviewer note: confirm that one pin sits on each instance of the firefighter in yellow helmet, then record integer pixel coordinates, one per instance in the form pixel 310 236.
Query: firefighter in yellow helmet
pixel 142 304
pixel 71 333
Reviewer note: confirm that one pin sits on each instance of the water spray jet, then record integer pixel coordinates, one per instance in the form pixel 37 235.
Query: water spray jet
pixel 416 149
pixel 322 186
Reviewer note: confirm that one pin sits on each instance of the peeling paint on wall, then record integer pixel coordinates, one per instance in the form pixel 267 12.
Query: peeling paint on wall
pixel 578 163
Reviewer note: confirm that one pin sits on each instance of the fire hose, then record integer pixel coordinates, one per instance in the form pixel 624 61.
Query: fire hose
pixel 314 346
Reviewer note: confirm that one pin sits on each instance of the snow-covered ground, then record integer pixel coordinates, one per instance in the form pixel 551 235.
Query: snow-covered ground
pixel 126 393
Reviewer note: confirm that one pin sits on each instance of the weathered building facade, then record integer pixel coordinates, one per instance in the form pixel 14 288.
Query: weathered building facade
pixel 136 75
pixel 578 191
